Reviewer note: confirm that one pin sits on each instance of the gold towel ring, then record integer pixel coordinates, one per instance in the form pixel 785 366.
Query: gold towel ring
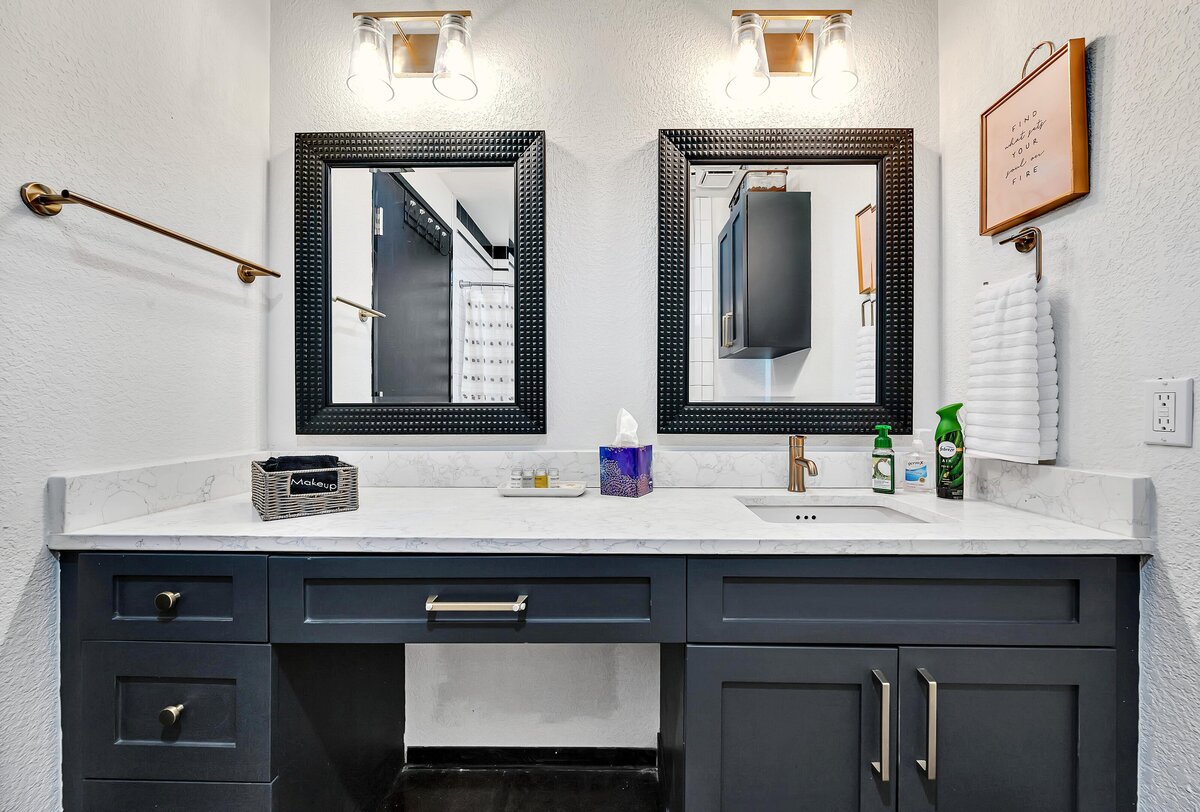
pixel 1036 48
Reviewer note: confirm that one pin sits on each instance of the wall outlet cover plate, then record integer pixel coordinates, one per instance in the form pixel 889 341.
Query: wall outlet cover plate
pixel 1168 415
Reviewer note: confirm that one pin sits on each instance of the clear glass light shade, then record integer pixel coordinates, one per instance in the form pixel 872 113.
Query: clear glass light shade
pixel 749 75
pixel 454 66
pixel 836 71
pixel 370 75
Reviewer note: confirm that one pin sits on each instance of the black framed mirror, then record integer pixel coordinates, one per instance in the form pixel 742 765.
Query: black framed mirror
pixel 420 283
pixel 785 288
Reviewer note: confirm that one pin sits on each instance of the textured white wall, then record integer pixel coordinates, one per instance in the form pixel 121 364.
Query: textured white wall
pixel 119 346
pixel 601 79
pixel 1120 265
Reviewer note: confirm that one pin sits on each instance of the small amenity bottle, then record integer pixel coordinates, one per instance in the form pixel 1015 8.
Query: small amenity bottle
pixel 918 465
pixel 950 449
pixel 883 469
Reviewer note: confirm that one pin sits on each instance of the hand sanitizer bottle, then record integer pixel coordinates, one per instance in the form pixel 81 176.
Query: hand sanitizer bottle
pixel 918 465
pixel 883 469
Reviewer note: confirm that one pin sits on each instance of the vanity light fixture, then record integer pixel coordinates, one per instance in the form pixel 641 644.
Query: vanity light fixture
pixel 772 42
pixel 836 71
pixel 426 44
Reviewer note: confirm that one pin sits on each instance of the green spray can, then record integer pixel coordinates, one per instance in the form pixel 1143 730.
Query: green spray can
pixel 950 447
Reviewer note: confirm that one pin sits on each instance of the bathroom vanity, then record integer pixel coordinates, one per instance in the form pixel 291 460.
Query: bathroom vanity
pixel 974 658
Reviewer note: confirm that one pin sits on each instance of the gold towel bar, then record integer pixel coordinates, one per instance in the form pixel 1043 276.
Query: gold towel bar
pixel 364 312
pixel 44 201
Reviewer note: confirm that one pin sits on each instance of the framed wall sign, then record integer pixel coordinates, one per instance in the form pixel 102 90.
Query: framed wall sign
pixel 1033 143
pixel 864 233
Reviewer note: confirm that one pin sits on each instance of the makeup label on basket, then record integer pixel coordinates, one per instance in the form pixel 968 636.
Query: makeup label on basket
pixel 302 482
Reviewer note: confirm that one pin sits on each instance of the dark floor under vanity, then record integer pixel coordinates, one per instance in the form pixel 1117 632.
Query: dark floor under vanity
pixel 474 779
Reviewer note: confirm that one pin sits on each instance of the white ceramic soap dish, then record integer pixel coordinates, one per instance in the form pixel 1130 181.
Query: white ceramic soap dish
pixel 562 490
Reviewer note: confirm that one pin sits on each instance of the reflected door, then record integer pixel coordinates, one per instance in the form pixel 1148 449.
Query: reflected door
pixel 411 278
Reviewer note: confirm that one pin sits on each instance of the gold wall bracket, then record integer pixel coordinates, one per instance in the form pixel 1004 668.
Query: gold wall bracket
pixel 414 45
pixel 45 202
pixel 789 52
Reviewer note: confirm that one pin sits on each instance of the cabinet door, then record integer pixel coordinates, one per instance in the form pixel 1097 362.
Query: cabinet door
pixel 731 264
pixel 788 729
pixel 998 730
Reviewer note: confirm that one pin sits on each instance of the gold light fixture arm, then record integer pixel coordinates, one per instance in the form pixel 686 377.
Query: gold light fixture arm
pixel 44 201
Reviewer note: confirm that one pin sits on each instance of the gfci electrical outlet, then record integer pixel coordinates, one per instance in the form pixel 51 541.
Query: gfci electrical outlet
pixel 1169 412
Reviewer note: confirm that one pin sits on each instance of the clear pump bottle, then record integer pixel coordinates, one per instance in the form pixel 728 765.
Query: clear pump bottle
pixel 918 464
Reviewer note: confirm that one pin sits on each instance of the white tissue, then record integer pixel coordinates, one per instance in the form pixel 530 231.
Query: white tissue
pixel 626 431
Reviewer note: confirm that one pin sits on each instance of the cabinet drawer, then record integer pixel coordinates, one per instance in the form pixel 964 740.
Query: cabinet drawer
pixel 223 731
pixel 175 796
pixel 382 599
pixel 220 598
pixel 1042 601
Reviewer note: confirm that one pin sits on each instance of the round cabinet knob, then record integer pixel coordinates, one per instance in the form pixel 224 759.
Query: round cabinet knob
pixel 170 715
pixel 165 601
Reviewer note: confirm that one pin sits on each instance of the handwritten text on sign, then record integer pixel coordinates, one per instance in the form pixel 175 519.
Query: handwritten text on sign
pixel 1029 145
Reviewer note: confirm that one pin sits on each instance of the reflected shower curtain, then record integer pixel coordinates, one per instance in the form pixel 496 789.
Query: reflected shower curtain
pixel 488 349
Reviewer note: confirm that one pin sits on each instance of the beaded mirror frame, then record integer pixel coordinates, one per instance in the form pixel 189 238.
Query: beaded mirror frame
pixel 316 154
pixel 891 152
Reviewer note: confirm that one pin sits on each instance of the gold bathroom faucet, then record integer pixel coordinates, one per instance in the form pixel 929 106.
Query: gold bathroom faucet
pixel 798 464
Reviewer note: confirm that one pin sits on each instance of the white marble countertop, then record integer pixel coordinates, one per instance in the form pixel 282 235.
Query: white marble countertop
pixel 670 521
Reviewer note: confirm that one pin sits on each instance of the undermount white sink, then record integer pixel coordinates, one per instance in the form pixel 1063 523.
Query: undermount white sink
pixel 832 513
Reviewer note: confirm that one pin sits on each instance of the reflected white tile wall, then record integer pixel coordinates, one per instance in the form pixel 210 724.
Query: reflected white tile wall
pixel 700 345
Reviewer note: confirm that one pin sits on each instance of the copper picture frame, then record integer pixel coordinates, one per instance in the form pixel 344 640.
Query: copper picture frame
pixel 1033 143
pixel 865 225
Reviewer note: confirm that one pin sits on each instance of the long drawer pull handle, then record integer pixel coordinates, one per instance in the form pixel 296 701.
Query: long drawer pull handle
pixel 432 605
pixel 727 330
pixel 165 601
pixel 170 715
pixel 929 763
pixel 883 766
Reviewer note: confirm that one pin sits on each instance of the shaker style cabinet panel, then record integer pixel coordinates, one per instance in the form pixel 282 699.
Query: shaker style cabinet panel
pixel 922 600
pixel 477 599
pixel 999 730
pixel 148 596
pixel 785 729
pixel 175 796
pixel 176 711
pixel 764 258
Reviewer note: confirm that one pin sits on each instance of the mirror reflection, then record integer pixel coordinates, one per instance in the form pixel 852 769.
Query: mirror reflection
pixel 422 281
pixel 782 283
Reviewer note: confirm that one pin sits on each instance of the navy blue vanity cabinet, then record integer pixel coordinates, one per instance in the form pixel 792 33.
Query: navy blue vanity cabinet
pixel 828 683
pixel 764 276
pixel 785 728
pixel 1002 729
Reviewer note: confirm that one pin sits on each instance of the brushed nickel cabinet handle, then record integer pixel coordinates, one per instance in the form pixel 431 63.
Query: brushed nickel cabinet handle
pixel 170 715
pixel 165 601
pixel 727 330
pixel 432 605
pixel 929 763
pixel 883 766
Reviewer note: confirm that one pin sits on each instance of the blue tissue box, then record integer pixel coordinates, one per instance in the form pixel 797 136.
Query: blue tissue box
pixel 626 471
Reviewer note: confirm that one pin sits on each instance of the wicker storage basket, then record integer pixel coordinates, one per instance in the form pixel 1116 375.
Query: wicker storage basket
pixel 271 493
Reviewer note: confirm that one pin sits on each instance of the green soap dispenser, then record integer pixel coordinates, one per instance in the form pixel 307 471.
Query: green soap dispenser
pixel 883 463
pixel 951 475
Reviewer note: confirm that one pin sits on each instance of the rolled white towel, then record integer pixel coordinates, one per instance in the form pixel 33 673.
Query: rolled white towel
pixel 999 342
pixel 1014 379
pixel 1003 407
pixel 1048 420
pixel 986 355
pixel 1001 421
pixel 985 394
pixel 1047 364
pixel 1008 328
pixel 1045 351
pixel 974 433
pixel 1008 367
pixel 1026 452
pixel 1048 379
pixel 1048 451
pixel 1008 312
